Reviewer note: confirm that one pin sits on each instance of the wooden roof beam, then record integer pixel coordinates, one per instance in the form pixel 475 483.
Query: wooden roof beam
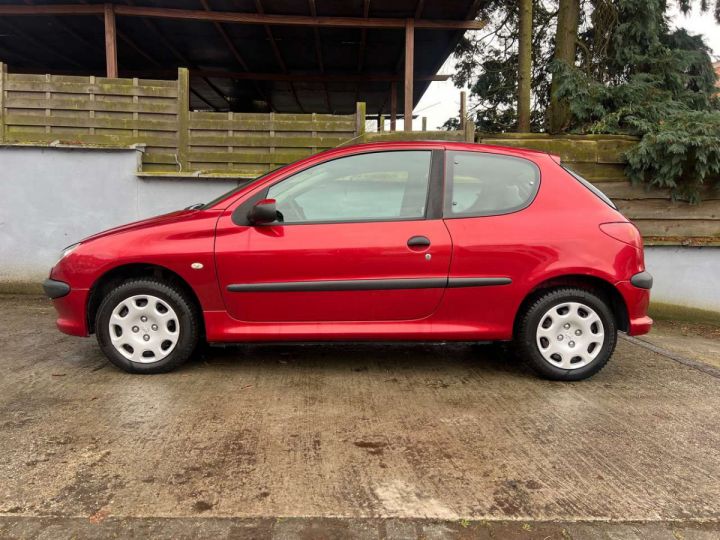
pixel 278 55
pixel 226 38
pixel 233 49
pixel 128 41
pixel 150 25
pixel 311 77
pixel 318 53
pixel 239 18
pixel 363 36
pixel 68 29
pixel 49 49
pixel 205 101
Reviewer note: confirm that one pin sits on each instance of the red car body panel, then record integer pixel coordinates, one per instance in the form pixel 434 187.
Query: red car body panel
pixel 246 254
pixel 557 235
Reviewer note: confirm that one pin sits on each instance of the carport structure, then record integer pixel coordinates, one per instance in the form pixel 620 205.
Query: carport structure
pixel 304 56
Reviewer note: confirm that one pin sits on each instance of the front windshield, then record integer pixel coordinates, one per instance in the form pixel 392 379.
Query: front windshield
pixel 233 191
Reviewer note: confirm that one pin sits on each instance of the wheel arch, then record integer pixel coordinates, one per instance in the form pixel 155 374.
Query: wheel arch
pixel 112 277
pixel 593 284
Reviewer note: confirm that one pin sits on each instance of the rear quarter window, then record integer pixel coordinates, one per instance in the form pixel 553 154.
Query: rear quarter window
pixel 483 184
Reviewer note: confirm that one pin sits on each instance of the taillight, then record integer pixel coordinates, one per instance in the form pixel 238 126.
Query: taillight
pixel 624 231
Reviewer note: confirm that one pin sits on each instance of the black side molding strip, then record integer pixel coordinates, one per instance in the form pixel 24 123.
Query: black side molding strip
pixel 454 283
pixel 367 284
pixel 643 280
pixel 341 285
pixel 55 289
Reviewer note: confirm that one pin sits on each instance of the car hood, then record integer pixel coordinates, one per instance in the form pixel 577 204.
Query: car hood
pixel 172 217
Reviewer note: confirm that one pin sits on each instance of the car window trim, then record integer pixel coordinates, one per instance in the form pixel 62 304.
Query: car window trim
pixel 589 186
pixel 434 186
pixel 449 178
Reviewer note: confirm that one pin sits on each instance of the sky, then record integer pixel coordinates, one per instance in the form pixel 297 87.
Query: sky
pixel 442 99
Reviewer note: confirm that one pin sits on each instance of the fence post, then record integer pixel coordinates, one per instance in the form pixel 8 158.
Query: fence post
pixel 183 118
pixel 469 131
pixel 424 123
pixel 360 121
pixel 3 70
pixel 463 109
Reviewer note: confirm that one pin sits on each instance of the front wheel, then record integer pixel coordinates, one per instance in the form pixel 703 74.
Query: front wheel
pixel 147 326
pixel 567 334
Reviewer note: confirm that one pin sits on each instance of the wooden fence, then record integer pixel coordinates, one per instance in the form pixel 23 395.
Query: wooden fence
pixel 96 111
pixel 52 109
pixel 599 158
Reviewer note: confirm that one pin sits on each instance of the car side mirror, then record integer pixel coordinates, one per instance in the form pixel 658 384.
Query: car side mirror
pixel 263 212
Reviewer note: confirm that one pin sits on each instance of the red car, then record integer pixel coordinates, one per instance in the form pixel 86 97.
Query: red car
pixel 410 241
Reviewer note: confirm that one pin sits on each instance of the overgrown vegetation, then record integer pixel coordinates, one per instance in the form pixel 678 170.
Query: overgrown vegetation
pixel 632 74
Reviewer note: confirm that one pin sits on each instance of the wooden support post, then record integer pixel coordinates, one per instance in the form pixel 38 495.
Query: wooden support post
pixel 469 132
pixel 110 42
pixel 463 109
pixel 409 68
pixel 424 123
pixel 3 71
pixel 393 106
pixel 359 122
pixel 183 123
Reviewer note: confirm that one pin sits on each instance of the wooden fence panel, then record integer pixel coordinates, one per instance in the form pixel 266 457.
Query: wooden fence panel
pixel 47 109
pixel 252 144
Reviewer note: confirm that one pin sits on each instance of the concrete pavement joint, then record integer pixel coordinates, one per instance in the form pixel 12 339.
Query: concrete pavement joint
pixel 700 366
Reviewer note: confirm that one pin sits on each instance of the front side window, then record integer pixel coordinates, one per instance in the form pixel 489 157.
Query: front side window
pixel 376 186
pixel 482 184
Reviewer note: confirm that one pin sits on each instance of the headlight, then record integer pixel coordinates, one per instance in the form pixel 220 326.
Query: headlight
pixel 67 251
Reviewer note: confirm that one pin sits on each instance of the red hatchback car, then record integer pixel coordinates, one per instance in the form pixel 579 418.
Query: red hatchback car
pixel 410 241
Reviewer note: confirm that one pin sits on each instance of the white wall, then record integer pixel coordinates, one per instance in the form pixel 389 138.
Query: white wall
pixel 685 276
pixel 53 197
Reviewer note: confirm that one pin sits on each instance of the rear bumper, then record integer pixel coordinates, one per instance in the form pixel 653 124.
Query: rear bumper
pixel 643 280
pixel 637 300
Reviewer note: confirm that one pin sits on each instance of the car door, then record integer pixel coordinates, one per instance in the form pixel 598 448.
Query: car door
pixel 498 242
pixel 361 239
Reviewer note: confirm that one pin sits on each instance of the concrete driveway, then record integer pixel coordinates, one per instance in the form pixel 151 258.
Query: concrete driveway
pixel 367 441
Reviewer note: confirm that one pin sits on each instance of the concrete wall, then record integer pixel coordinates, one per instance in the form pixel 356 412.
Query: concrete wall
pixel 685 276
pixel 53 197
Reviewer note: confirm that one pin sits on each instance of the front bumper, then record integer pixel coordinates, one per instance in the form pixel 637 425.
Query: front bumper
pixel 71 309
pixel 55 289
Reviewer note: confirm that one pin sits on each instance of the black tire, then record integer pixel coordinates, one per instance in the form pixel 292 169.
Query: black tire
pixel 525 342
pixel 188 322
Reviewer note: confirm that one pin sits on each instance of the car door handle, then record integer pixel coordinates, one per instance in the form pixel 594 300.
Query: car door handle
pixel 418 242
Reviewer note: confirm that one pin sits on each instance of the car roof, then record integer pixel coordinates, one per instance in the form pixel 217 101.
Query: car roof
pixel 448 145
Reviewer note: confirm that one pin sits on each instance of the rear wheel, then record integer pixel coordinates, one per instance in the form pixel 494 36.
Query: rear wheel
pixel 147 326
pixel 567 334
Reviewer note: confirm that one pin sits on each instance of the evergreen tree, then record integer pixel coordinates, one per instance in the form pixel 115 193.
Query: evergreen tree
pixel 658 85
pixel 615 67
